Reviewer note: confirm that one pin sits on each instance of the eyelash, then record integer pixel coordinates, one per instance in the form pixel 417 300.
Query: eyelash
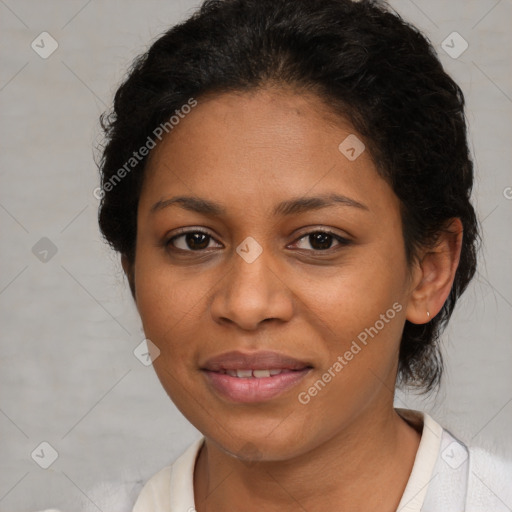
pixel 342 241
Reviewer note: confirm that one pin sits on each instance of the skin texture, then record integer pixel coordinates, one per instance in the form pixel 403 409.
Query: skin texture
pixel 347 447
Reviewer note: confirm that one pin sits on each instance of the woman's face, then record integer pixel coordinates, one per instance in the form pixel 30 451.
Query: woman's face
pixel 259 276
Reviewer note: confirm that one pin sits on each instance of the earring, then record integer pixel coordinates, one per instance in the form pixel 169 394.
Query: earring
pixel 428 314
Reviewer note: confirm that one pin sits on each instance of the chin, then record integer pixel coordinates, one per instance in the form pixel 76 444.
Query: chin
pixel 255 446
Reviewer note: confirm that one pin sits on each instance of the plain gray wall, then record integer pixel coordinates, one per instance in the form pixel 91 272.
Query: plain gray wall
pixel 69 328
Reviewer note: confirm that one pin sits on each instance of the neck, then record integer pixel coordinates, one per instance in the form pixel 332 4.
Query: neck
pixel 364 467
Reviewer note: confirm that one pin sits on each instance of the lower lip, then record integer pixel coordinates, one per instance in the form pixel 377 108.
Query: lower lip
pixel 250 390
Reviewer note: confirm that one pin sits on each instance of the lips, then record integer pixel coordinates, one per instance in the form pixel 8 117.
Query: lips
pixel 263 360
pixel 257 377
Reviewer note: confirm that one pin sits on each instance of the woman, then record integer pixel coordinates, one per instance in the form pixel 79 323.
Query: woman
pixel 288 185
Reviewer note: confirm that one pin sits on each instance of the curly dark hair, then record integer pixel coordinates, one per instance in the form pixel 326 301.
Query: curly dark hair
pixel 368 65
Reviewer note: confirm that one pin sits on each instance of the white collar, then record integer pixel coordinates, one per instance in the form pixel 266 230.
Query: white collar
pixel 424 462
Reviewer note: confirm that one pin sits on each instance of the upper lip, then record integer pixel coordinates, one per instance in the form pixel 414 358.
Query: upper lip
pixel 262 360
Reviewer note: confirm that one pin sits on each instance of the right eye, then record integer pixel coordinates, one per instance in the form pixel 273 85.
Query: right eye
pixel 190 241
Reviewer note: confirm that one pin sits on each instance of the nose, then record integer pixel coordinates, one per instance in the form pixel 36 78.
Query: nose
pixel 253 291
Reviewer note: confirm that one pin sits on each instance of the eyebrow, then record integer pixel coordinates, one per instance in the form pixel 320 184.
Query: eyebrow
pixel 290 207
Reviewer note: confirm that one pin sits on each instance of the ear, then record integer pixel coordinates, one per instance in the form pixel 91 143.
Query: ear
pixel 129 271
pixel 434 273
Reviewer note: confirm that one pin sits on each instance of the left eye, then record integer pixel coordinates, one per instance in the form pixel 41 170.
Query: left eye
pixel 195 241
pixel 322 240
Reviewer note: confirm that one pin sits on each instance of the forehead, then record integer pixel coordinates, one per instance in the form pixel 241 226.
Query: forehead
pixel 262 146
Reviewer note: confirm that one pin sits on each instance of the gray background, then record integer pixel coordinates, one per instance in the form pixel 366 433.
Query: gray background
pixel 68 373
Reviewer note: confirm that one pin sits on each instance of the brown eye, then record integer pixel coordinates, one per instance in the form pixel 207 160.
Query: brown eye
pixel 191 241
pixel 322 240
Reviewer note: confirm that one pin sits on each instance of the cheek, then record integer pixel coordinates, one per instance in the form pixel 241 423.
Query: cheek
pixel 165 299
pixel 364 307
pixel 365 317
pixel 362 290
pixel 166 305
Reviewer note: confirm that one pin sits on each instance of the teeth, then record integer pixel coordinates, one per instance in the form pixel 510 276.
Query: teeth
pixel 247 374
pixel 244 373
pixel 261 373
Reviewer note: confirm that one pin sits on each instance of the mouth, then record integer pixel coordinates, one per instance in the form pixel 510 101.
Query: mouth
pixel 251 373
pixel 253 377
